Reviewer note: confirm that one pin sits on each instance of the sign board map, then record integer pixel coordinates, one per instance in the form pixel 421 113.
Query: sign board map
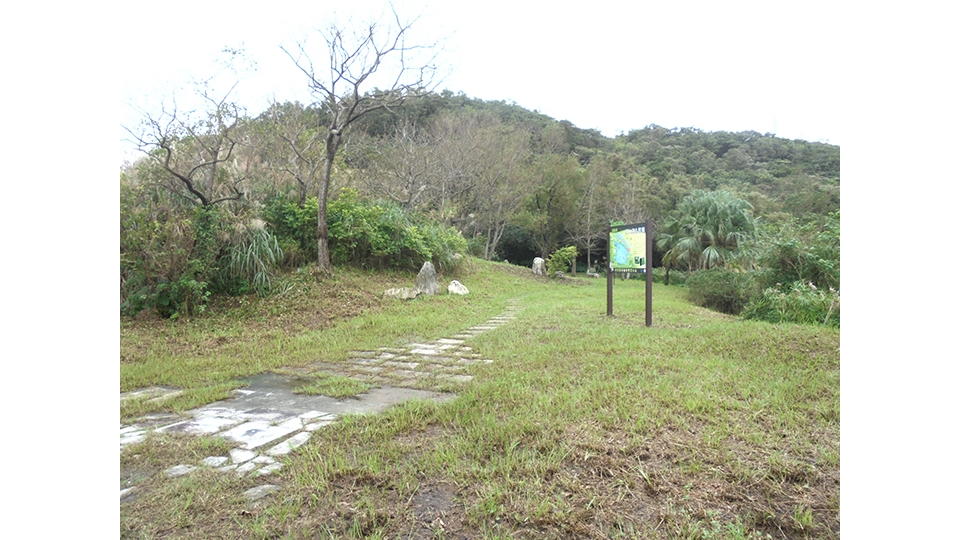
pixel 628 249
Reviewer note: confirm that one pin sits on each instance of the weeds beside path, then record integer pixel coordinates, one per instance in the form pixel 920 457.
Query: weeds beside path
pixel 582 426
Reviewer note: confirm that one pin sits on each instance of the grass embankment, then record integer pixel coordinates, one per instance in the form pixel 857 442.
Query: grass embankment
pixel 702 426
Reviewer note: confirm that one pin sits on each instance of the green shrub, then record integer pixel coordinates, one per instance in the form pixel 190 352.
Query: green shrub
pixel 808 253
pixel 295 229
pixel 561 259
pixel 168 255
pixel 382 235
pixel 802 303
pixel 722 290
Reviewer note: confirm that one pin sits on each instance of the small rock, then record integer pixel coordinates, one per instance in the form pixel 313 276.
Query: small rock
pixel 403 293
pixel 559 275
pixel 455 287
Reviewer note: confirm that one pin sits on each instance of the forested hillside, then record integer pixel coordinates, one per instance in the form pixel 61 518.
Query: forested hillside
pixel 222 200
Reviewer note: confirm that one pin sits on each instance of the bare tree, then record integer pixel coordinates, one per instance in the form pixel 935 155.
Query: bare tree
pixel 406 167
pixel 356 60
pixel 194 149
pixel 297 138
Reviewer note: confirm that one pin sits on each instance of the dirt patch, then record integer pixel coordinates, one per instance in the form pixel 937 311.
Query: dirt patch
pixel 436 510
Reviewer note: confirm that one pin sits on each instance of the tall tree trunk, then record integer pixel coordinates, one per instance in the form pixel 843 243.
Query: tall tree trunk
pixel 323 231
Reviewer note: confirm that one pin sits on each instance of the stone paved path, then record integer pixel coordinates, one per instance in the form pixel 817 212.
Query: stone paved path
pixel 268 420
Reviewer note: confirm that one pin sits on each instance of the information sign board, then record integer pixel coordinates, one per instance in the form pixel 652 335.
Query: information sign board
pixel 628 248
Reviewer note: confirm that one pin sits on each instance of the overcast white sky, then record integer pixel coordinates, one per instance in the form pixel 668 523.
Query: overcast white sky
pixel 608 65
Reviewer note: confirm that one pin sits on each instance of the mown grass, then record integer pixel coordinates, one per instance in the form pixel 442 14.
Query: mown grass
pixel 334 386
pixel 703 426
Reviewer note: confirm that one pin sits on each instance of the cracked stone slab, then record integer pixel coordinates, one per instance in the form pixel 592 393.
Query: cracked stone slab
pixel 317 425
pixel 370 369
pixel 247 467
pixel 212 420
pixel 214 461
pixel 270 469
pixel 239 455
pixel 364 361
pixel 258 433
pixel 404 373
pixel 448 341
pixel 451 369
pixel 152 392
pixel 132 437
pixel 288 445
pixel 404 365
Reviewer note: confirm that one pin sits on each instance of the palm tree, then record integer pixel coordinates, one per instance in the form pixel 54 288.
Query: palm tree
pixel 704 230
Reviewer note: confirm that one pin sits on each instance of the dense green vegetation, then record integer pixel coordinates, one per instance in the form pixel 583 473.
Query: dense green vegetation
pixel 447 174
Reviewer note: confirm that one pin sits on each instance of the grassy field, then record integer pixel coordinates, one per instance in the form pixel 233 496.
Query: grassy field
pixel 584 426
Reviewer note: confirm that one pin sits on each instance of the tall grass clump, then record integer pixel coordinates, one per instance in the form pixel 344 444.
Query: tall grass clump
pixel 253 255
pixel 722 290
pixel 802 303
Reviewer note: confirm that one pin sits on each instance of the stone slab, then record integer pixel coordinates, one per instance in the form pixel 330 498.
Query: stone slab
pixel 256 434
pixel 239 455
pixel 179 470
pixel 260 492
pixel 270 469
pixel 288 445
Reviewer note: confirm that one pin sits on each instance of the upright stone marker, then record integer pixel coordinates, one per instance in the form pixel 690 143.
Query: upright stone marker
pixel 539 267
pixel 427 279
